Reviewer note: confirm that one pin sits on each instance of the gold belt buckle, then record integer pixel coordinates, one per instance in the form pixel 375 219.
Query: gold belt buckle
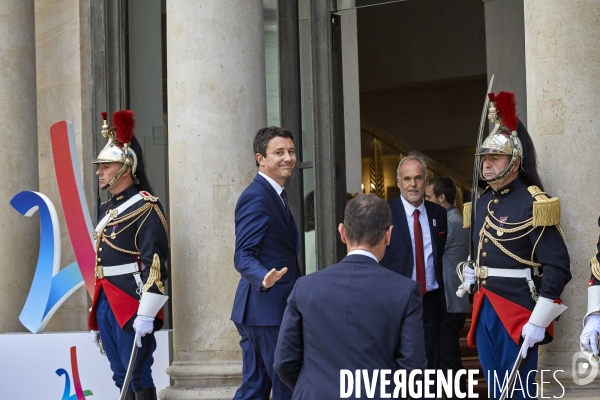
pixel 99 272
pixel 482 273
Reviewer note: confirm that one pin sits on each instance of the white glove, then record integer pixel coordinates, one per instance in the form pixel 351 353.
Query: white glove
pixel 95 336
pixel 532 334
pixel 142 326
pixel 591 330
pixel 469 275
pixel 469 279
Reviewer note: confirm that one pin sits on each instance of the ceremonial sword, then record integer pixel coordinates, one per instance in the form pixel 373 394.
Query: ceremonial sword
pixel 470 260
pixel 513 373
pixel 129 368
pixel 515 368
pixel 476 163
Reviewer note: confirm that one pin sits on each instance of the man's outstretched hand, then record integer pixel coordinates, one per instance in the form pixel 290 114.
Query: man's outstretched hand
pixel 273 276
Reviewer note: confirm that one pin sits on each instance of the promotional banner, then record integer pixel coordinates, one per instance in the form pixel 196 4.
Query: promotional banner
pixel 52 285
pixel 66 366
pixel 62 365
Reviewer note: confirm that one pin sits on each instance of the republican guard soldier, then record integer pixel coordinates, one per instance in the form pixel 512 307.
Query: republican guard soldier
pixel 521 260
pixel 131 252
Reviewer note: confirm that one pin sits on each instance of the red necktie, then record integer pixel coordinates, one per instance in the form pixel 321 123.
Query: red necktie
pixel 419 253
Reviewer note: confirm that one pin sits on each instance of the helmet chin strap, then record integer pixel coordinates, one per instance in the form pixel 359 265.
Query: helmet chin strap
pixel 118 175
pixel 502 174
pixel 497 177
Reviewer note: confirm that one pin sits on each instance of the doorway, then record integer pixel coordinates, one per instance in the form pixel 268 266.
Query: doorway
pixel 422 79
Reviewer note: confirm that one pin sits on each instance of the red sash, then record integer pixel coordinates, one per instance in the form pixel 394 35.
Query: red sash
pixel 513 316
pixel 123 306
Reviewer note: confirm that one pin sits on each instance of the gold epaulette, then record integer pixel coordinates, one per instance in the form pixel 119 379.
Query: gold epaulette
pixel 153 199
pixel 148 197
pixel 546 211
pixel 467 215
pixel 595 267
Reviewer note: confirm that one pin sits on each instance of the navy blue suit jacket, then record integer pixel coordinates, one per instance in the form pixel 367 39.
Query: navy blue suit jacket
pixel 351 315
pixel 265 238
pixel 399 254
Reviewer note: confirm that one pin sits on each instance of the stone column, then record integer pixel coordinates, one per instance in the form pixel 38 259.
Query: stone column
pixel 217 102
pixel 563 92
pixel 505 49
pixel 18 157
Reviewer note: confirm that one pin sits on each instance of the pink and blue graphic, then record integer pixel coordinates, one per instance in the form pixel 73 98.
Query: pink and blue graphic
pixel 72 198
pixel 51 286
pixel 80 394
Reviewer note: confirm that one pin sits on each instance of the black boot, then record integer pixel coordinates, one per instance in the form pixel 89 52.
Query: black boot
pixel 146 394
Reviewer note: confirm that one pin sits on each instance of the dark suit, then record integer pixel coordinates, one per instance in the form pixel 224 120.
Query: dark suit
pixel 399 258
pixel 455 251
pixel 265 238
pixel 351 315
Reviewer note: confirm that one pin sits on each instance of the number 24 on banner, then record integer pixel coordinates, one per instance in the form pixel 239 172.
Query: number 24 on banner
pixel 51 286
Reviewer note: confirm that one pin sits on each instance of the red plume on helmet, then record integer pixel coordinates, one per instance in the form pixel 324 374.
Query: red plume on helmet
pixel 124 124
pixel 506 106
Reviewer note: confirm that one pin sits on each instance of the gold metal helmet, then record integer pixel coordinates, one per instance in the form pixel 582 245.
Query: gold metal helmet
pixel 503 139
pixel 118 148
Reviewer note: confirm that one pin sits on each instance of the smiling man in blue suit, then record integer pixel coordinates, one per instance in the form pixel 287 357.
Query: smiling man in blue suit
pixel 266 248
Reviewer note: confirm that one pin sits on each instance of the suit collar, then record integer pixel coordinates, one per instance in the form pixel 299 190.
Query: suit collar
pixel 278 188
pixel 433 225
pixel 272 192
pixel 363 253
pixel 433 211
pixel 399 214
pixel 289 220
pixel 452 210
pixel 409 209
pixel 358 258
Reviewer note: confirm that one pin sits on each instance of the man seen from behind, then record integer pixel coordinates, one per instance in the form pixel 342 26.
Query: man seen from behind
pixel 351 315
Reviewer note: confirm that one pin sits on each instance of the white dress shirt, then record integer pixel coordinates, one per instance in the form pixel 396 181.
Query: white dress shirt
pixel 363 253
pixel 431 282
pixel 278 188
